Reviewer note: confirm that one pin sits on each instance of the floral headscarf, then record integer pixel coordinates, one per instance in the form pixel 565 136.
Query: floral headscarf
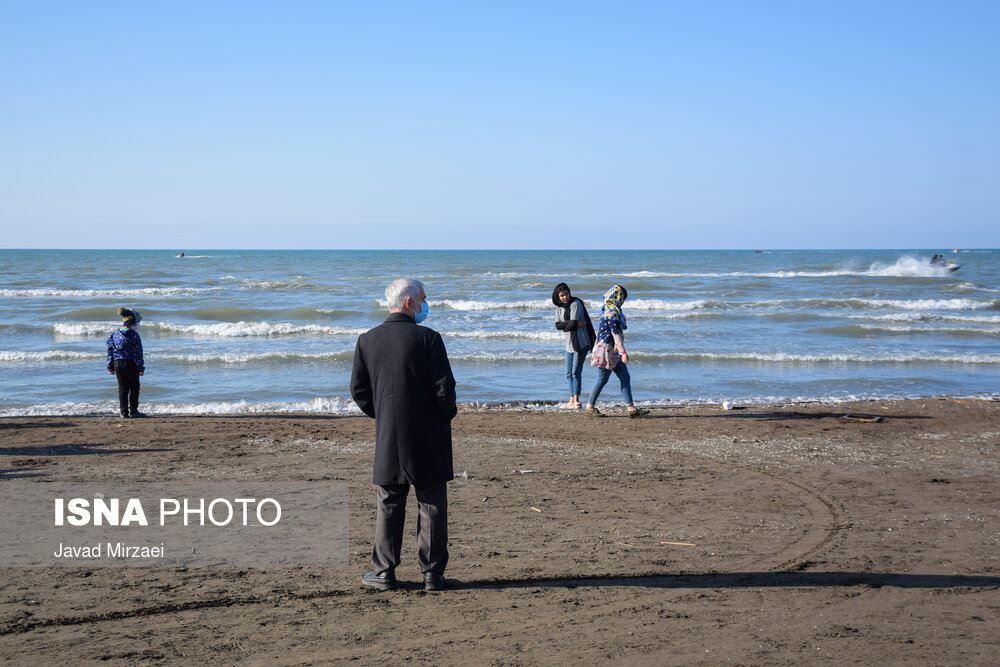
pixel 613 300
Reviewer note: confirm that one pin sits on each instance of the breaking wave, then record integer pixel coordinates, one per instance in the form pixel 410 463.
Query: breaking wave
pixel 16 356
pixel 324 405
pixel 100 293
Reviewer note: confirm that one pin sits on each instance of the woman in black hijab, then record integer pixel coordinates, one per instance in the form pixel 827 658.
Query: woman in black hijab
pixel 572 317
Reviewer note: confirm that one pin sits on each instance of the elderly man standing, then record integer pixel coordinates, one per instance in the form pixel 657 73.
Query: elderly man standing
pixel 402 379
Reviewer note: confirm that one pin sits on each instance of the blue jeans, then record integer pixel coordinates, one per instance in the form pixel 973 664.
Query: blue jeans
pixel 621 370
pixel 574 371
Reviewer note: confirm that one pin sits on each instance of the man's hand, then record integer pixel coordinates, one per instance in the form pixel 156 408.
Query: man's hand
pixel 111 372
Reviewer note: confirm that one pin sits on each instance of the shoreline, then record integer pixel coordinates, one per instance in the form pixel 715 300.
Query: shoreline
pixel 546 405
pixel 767 535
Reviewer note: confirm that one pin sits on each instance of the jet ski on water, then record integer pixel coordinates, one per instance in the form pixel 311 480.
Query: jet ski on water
pixel 941 262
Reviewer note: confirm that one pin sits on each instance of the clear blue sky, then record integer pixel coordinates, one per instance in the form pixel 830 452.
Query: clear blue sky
pixel 469 124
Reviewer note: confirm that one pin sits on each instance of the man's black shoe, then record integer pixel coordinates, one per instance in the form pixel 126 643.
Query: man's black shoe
pixel 433 581
pixel 383 582
pixel 137 415
pixel 124 415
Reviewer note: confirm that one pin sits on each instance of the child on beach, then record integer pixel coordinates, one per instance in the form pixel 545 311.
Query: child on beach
pixel 609 353
pixel 126 363
pixel 572 317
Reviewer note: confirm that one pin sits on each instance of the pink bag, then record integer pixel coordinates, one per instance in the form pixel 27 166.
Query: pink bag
pixel 604 356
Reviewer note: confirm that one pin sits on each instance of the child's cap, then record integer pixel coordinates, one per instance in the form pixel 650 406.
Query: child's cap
pixel 129 317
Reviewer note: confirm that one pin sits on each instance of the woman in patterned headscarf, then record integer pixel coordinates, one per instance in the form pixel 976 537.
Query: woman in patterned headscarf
pixel 609 353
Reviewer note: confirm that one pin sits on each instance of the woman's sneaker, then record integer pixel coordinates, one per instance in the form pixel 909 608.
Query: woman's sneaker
pixel 638 412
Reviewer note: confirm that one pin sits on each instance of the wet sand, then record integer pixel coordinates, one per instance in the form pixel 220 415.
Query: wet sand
pixel 767 535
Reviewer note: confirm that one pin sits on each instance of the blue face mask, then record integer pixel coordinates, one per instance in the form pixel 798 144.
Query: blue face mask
pixel 422 315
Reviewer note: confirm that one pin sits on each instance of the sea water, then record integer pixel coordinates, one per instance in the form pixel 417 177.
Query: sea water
pixel 274 331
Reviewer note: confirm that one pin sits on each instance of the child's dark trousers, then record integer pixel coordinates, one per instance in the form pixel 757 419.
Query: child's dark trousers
pixel 128 386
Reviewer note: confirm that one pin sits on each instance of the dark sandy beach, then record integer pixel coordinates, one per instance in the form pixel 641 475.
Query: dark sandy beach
pixel 816 539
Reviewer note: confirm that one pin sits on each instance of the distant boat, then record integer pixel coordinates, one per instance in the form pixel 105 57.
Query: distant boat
pixel 956 250
pixel 182 254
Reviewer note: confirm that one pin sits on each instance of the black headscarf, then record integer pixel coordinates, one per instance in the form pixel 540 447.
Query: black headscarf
pixel 566 316
pixel 557 302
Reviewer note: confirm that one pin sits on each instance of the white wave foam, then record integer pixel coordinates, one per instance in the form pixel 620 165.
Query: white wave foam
pixel 277 285
pixel 320 405
pixel 782 357
pixel 662 305
pixel 930 317
pixel 902 328
pixel 908 267
pixel 927 304
pixel 765 357
pixel 543 305
pixel 657 304
pixel 476 306
pixel 16 356
pixel 256 329
pixel 100 293
pixel 258 357
pixel 340 406
pixel 62 409
pixel 492 335
pixel 266 329
pixel 904 267
pixel 85 328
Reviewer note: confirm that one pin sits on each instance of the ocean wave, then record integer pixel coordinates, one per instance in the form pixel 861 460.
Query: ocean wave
pixel 257 357
pixel 929 317
pixel 643 307
pixel 346 407
pixel 322 405
pixel 216 330
pixel 786 358
pixel 756 357
pixel 85 328
pixel 908 267
pixel 256 329
pixel 468 305
pixel 280 285
pixel 279 356
pixel 17 356
pixel 496 335
pixel 103 293
pixel 906 328
pixel 266 329
pixel 928 304
pixel 905 267
pixel 658 304
pixel 17 328
pixel 281 329
pixel 857 303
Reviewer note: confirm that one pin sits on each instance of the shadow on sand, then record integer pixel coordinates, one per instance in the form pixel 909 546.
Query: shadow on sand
pixel 746 580
pixel 772 415
pixel 71 450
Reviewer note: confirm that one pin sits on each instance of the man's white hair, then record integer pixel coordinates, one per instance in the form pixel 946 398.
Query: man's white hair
pixel 401 288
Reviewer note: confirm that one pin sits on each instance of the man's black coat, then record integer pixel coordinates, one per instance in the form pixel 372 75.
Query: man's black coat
pixel 402 378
